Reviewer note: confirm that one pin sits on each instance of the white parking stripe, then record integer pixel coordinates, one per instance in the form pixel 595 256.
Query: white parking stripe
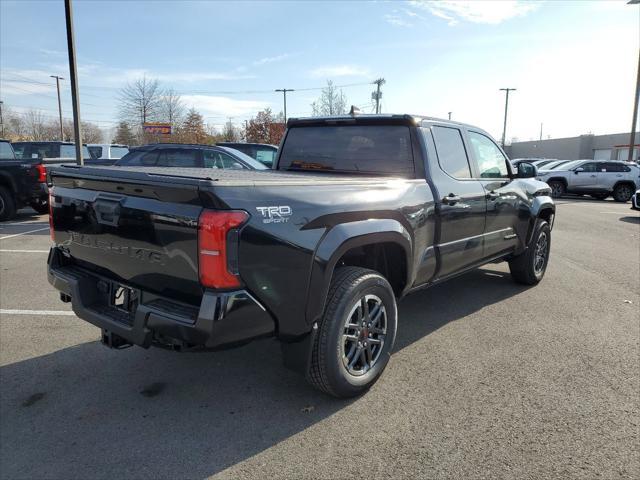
pixel 22 224
pixel 2 250
pixel 24 233
pixel 36 312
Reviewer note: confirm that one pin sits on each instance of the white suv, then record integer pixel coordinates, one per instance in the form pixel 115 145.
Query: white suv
pixel 595 178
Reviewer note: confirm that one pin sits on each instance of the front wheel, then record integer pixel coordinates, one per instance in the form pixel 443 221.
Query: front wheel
pixel 557 188
pixel 529 267
pixel 622 193
pixel 356 334
pixel 7 204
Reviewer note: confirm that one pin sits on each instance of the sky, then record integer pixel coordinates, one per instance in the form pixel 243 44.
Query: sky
pixel 573 63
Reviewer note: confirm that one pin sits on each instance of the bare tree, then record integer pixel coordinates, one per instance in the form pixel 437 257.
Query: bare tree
pixel 230 133
pixel 171 107
pixel 140 101
pixel 34 122
pixel 331 102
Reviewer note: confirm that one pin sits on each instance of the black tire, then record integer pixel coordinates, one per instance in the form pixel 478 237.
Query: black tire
pixel 558 188
pixel 526 267
pixel 41 206
pixel 622 193
pixel 333 369
pixel 600 196
pixel 7 204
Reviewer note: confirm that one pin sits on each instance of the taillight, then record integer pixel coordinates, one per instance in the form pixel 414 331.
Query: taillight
pixel 217 247
pixel 51 230
pixel 42 173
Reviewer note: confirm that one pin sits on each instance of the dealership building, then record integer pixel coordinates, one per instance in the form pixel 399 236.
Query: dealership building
pixel 597 147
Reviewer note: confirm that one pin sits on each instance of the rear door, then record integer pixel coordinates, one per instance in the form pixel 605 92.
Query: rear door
pixel 609 173
pixel 503 195
pixel 461 201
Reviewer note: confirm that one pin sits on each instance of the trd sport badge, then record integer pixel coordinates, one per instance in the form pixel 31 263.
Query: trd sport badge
pixel 275 213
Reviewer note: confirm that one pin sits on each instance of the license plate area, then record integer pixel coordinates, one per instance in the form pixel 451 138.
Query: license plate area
pixel 124 298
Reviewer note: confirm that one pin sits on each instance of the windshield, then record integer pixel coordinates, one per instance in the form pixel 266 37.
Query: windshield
pixel 558 165
pixel 245 158
pixel 572 164
pixel 349 148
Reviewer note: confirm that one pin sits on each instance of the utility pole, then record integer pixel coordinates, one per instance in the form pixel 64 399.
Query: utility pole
pixel 75 100
pixel 377 95
pixel 634 122
pixel 506 108
pixel 284 93
pixel 1 121
pixel 450 115
pixel 59 104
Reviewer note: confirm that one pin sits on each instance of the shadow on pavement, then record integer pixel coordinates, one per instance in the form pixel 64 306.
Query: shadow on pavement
pixel 89 412
pixel 631 219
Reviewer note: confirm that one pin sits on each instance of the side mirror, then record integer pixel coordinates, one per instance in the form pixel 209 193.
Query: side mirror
pixel 527 170
pixel 579 169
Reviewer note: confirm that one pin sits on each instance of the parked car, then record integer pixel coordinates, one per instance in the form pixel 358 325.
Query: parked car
pixel 361 211
pixel 107 151
pixel 263 152
pixel 552 165
pixel 188 156
pixel 596 178
pixel 635 200
pixel 22 183
pixel 49 152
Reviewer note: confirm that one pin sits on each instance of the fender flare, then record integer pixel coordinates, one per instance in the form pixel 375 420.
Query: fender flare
pixel 342 238
pixel 538 205
pixel 7 179
pixel 628 182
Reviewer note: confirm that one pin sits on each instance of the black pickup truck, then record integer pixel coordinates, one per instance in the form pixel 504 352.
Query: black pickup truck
pixel 22 183
pixel 360 211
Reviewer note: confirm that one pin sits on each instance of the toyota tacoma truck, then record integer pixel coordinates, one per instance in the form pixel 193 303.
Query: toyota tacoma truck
pixel 358 212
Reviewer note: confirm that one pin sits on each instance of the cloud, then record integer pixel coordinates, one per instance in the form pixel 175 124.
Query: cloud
pixel 397 20
pixel 277 58
pixel 222 107
pixel 340 71
pixel 490 12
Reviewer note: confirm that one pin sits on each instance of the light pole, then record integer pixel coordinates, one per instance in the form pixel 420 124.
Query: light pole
pixel 450 115
pixel 284 93
pixel 59 104
pixel 634 121
pixel 506 108
pixel 1 120
pixel 75 100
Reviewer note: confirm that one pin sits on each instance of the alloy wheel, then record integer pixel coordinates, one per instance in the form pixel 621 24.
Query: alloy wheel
pixel 541 254
pixel 364 333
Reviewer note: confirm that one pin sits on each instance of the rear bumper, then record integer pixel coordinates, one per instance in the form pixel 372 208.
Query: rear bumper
pixel 222 319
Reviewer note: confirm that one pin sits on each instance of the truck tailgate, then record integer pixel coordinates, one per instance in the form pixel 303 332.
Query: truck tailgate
pixel 143 233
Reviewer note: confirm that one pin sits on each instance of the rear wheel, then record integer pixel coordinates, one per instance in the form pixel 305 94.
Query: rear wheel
pixel 7 204
pixel 557 188
pixel 529 267
pixel 356 334
pixel 622 193
pixel 41 206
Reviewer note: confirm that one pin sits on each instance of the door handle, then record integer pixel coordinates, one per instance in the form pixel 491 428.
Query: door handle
pixel 451 199
pixel 593 176
pixel 492 195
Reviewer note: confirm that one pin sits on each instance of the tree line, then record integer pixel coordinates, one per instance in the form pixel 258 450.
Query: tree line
pixel 145 101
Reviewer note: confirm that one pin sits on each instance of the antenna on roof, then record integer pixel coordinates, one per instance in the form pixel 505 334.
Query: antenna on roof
pixel 354 111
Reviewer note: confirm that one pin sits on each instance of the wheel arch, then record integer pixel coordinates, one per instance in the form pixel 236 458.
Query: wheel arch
pixel 8 181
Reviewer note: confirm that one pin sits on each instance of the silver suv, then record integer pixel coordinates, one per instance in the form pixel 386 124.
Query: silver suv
pixel 595 178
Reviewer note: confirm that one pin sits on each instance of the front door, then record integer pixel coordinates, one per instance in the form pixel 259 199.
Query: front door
pixel 460 201
pixel 504 222
pixel 584 180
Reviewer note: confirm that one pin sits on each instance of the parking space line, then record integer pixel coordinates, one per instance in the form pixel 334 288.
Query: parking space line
pixel 4 250
pixel 23 233
pixel 20 224
pixel 36 312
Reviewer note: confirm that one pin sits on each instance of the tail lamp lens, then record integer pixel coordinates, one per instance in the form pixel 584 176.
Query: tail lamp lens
pixel 214 250
pixel 42 173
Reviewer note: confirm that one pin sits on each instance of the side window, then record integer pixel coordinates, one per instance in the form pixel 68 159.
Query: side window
pixel 6 152
pixel 68 151
pixel 491 162
pixel 452 155
pixel 215 159
pixel 613 167
pixel 590 167
pixel 19 149
pixel 96 152
pixel 178 157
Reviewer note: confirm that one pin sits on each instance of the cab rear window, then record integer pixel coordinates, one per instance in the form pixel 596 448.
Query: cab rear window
pixel 377 149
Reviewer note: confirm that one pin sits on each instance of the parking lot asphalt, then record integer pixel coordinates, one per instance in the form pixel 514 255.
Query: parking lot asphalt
pixel 489 379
